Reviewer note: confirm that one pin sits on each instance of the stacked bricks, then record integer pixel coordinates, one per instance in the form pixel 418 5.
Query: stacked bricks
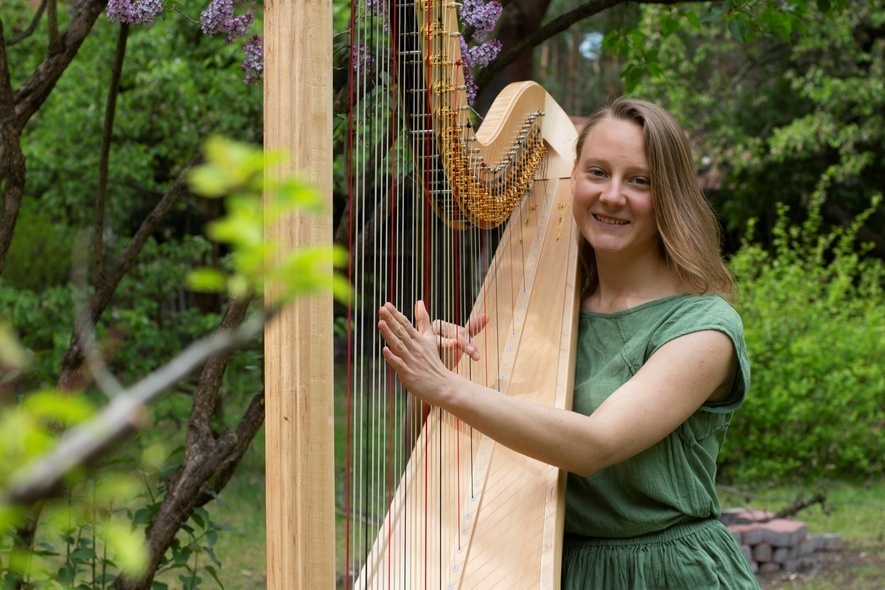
pixel 775 544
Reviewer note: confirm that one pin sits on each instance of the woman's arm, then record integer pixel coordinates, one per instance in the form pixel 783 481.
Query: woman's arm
pixel 672 385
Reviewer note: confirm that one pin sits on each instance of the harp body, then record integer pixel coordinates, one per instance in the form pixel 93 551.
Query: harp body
pixel 466 512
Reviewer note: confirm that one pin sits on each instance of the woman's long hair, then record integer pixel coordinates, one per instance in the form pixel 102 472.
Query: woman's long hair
pixel 688 228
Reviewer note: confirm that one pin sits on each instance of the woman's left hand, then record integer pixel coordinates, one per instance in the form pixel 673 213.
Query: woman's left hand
pixel 413 352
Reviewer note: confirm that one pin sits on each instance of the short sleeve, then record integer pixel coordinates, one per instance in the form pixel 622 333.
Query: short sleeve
pixel 709 312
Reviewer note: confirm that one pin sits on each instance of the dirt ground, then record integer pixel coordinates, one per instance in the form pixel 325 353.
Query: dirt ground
pixel 852 568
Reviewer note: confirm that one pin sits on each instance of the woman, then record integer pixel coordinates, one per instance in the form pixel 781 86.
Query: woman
pixel 661 366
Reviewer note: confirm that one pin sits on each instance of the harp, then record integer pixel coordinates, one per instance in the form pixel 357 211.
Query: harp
pixel 479 222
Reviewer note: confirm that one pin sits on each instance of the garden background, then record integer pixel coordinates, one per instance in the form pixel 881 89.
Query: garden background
pixel 105 109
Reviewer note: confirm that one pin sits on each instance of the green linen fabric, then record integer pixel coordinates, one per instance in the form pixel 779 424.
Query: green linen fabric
pixel 651 521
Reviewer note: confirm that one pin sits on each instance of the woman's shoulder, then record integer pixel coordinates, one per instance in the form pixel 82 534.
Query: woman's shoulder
pixel 701 311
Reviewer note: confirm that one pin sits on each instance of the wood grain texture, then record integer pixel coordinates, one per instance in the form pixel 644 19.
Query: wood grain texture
pixel 298 343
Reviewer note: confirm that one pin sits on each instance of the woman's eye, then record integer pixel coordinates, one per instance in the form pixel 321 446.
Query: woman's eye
pixel 642 181
pixel 596 172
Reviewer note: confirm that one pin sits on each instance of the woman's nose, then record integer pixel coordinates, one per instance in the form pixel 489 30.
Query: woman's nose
pixel 613 193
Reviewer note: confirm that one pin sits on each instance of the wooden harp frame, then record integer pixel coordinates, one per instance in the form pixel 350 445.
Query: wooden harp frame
pixel 508 534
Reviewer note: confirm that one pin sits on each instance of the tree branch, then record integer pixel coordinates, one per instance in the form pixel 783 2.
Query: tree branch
pixel 551 29
pixel 34 91
pixel 124 413
pixel 12 159
pixel 107 134
pixel 30 28
pixel 110 281
pixel 52 22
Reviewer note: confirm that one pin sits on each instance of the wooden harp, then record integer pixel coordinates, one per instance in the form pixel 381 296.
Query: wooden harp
pixel 480 221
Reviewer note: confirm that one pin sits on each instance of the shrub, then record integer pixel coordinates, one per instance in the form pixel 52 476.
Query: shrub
pixel 814 317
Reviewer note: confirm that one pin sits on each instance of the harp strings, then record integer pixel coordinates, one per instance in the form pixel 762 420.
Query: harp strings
pixel 412 156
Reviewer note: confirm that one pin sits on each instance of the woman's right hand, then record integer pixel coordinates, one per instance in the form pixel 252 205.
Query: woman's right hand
pixel 455 340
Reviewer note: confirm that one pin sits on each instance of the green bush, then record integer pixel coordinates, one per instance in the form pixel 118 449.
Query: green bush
pixel 40 254
pixel 814 315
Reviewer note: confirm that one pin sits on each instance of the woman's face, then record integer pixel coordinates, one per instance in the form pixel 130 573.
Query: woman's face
pixel 611 185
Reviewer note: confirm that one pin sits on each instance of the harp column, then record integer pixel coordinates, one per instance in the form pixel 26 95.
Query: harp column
pixel 298 343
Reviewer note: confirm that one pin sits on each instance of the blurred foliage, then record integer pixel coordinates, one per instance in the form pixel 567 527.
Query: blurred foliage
pixel 87 535
pixel 814 316
pixel 237 172
pixel 99 536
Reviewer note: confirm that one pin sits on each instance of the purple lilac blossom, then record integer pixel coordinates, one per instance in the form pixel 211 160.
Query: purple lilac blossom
pixel 480 15
pixel 254 62
pixel 361 56
pixel 379 7
pixel 134 12
pixel 479 56
pixel 219 18
pixel 470 86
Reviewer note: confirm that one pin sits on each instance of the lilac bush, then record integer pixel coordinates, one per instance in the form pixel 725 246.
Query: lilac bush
pixel 217 19
pixel 134 12
pixel 254 62
pixel 482 16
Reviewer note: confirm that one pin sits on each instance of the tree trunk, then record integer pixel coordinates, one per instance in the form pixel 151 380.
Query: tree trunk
pixel 17 107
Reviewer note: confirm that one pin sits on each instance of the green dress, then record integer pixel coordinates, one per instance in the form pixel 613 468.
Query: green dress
pixel 651 521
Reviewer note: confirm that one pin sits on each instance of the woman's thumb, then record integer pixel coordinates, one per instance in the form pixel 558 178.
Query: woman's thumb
pixel 422 318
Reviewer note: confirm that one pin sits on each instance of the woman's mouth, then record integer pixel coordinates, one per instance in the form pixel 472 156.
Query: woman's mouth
pixel 609 220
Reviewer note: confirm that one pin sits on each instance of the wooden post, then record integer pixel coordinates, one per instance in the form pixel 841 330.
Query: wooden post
pixel 298 343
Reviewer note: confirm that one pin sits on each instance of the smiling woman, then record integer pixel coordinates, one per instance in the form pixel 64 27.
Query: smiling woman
pixel 661 366
pixel 656 169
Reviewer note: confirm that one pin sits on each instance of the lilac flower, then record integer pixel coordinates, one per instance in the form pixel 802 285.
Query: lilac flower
pixel 361 56
pixel 134 12
pixel 480 15
pixel 470 86
pixel 219 18
pixel 479 56
pixel 254 62
pixel 379 7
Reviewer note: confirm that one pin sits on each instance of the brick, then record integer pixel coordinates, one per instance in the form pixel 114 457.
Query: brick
pixel 781 532
pixel 729 516
pixel 732 516
pixel 754 567
pixel 819 542
pixel 750 533
pixel 806 548
pixel 748 551
pixel 762 553
pixel 780 554
pixel 770 567
pixel 832 542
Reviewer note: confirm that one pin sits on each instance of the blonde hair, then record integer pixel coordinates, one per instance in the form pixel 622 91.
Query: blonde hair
pixel 689 230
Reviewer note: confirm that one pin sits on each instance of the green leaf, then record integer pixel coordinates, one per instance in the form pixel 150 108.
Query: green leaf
pixel 669 25
pixel 206 280
pixel 128 547
pixel 631 75
pixel 738 28
pixel 712 14
pixel 214 574
pixel 67 408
